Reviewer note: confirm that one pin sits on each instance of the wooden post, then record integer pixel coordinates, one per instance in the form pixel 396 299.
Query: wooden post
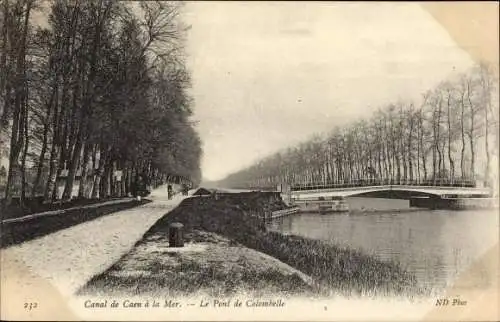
pixel 175 235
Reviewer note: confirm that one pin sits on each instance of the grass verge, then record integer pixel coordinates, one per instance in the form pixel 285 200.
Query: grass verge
pixel 208 265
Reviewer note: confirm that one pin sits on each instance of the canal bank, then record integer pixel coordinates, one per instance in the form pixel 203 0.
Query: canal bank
pixel 229 250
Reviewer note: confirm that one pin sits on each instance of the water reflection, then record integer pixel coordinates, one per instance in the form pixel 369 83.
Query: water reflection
pixel 435 245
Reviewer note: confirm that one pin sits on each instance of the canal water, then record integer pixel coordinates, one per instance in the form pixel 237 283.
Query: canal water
pixel 434 245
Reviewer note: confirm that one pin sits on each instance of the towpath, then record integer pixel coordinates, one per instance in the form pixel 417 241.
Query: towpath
pixel 65 260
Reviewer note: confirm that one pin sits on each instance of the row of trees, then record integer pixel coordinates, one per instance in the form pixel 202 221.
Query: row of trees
pixel 99 94
pixel 443 138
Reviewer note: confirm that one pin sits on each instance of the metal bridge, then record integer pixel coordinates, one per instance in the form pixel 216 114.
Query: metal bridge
pixel 434 189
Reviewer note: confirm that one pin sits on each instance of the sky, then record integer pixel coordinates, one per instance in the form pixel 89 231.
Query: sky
pixel 269 75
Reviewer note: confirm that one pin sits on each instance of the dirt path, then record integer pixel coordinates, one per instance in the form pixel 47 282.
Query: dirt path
pixel 68 258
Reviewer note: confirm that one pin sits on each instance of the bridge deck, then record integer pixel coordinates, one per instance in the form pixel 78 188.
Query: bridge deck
pixel 428 190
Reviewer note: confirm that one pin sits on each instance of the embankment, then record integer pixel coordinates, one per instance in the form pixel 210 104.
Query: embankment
pixel 18 230
pixel 238 219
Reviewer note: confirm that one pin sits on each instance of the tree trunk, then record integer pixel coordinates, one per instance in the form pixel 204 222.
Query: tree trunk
pixel 128 186
pixel 52 176
pixel 17 136
pixel 84 173
pixel 106 191
pixel 54 151
pixel 410 146
pixel 462 132
pixel 438 139
pixel 68 188
pixel 98 175
pixel 15 150
pixel 43 151
pixel 418 158
pixel 471 135
pixel 25 150
pixel 486 141
pixel 450 157
pixel 123 185
pixel 422 148
pixel 4 75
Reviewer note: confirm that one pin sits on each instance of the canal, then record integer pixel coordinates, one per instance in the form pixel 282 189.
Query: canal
pixel 435 245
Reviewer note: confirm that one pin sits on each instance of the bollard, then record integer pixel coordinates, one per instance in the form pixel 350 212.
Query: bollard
pixel 175 238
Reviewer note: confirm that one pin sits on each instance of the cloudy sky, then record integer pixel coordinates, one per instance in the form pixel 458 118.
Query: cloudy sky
pixel 268 75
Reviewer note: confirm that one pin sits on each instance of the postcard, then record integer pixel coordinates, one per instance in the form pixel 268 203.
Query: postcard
pixel 249 161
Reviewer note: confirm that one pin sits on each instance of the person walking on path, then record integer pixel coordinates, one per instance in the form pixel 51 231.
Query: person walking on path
pixel 170 191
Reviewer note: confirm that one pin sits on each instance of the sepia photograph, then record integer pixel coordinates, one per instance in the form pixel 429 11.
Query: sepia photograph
pixel 249 161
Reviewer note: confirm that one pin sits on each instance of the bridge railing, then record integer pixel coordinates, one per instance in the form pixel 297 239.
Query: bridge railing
pixel 386 182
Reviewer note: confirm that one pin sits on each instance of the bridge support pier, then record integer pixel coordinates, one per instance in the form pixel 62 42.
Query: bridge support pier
pixel 286 193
